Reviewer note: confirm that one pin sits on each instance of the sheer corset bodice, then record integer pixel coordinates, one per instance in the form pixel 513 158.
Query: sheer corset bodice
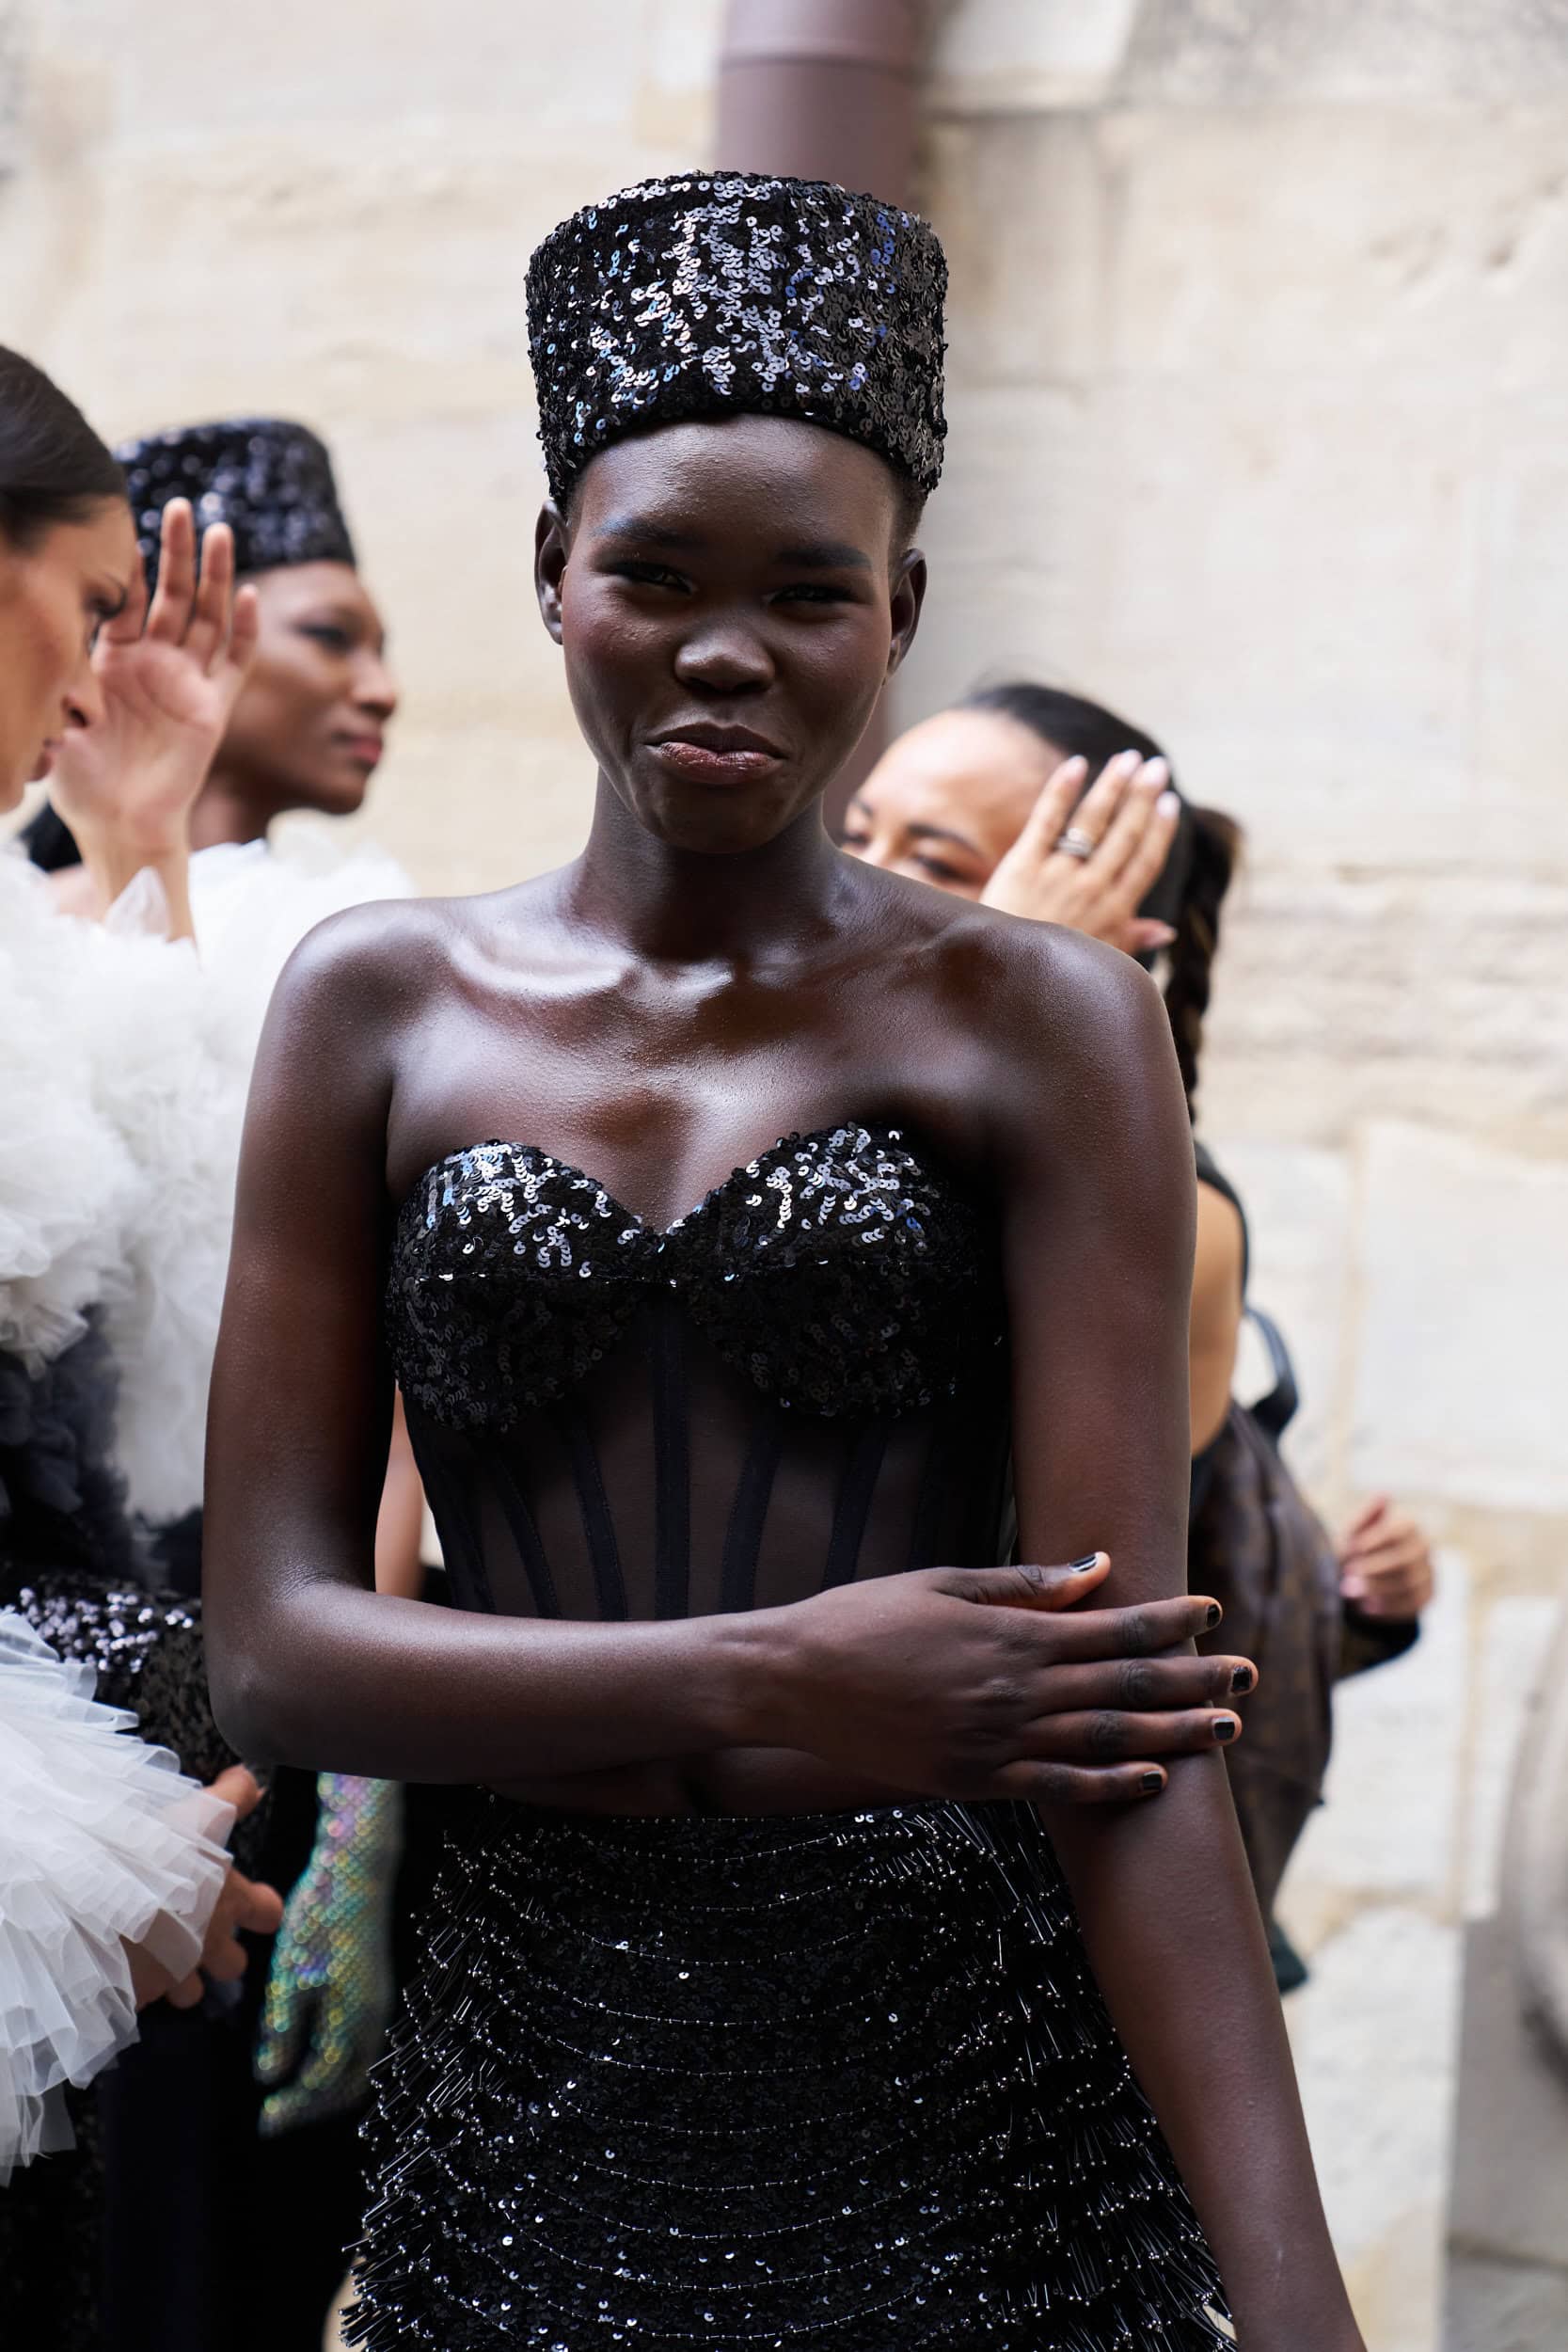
pixel 800 1382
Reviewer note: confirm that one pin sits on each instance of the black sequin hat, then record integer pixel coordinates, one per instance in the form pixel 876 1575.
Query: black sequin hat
pixel 720 294
pixel 269 480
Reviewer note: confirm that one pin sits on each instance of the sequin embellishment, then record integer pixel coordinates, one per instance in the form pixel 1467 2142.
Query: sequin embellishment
pixel 734 293
pixel 825 2081
pixel 836 1270
pixel 270 480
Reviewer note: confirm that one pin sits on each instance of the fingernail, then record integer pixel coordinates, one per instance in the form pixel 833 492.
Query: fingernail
pixel 1087 1561
pixel 1155 771
pixel 1152 1783
pixel 1169 804
pixel 1215 1614
pixel 1226 1727
pixel 1241 1679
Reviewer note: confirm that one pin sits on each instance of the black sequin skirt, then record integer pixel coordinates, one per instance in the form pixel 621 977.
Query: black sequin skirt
pixel 836 2080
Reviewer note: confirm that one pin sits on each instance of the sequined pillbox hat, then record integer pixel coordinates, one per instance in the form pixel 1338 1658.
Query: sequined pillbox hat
pixel 723 293
pixel 270 480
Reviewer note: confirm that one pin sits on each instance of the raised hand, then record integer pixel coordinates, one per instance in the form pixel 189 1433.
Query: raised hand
pixel 169 677
pixel 981 1683
pixel 1118 836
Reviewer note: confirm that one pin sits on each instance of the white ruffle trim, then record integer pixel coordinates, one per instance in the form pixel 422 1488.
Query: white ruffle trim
pixel 101 1839
pixel 124 1066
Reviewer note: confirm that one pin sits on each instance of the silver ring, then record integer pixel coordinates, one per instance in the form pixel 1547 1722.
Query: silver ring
pixel 1076 843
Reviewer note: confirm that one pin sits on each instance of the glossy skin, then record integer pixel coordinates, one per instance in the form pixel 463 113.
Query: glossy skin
pixel 710 972
pixel 972 802
pixel 308 729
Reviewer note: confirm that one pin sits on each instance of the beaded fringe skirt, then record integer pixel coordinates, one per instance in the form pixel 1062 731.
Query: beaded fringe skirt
pixel 826 2081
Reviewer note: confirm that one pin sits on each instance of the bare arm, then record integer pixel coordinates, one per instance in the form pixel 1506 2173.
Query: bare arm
pixel 1098 1242
pixel 1216 1313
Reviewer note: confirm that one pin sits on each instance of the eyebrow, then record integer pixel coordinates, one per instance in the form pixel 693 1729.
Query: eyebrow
pixel 811 555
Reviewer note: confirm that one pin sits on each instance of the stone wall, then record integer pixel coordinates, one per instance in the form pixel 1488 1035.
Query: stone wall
pixel 1259 395
pixel 1260 390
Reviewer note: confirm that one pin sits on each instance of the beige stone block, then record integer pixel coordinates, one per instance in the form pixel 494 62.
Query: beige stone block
pixel 1515 1635
pixel 1462 1378
pixel 1022 207
pixel 1342 50
pixel 1374 244
pixel 1390 1826
pixel 1521 669
pixel 996 57
pixel 1373 2036
pixel 1298 1206
pixel 1342 996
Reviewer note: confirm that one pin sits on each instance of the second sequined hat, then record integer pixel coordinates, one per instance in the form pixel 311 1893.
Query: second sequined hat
pixel 270 480
pixel 720 293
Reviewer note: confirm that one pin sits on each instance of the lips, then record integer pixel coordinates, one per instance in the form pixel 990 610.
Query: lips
pixel 708 752
pixel 364 749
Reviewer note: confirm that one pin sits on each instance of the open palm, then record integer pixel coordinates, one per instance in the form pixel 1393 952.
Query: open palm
pixel 169 688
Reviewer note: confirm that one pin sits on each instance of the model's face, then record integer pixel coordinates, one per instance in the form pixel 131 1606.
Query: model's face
pixel 308 726
pixel 946 801
pixel 729 607
pixel 53 596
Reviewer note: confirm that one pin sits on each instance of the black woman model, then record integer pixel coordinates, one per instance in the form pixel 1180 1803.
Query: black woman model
pixel 770 1251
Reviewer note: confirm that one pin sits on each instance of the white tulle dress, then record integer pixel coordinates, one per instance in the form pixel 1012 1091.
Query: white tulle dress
pixel 102 1842
pixel 124 1065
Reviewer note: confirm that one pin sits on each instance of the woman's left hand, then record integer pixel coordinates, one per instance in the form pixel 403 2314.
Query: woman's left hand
pixel 1121 829
pixel 1386 1567
pixel 169 677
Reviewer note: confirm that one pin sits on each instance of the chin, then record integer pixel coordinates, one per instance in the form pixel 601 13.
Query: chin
pixel 335 794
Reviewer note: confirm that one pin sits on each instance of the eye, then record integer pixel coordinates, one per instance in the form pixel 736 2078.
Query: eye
pixel 940 871
pixel 855 838
pixel 648 575
pixel 813 592
pixel 329 634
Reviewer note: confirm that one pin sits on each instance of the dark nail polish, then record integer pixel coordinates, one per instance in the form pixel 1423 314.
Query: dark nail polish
pixel 1215 1614
pixel 1241 1679
pixel 1150 1782
pixel 1087 1561
pixel 1226 1727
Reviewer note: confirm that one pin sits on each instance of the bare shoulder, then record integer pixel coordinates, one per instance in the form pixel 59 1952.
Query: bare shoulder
pixel 376 967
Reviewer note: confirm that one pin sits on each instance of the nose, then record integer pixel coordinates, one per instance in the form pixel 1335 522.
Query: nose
pixel 375 689
pixel 83 699
pixel 724 657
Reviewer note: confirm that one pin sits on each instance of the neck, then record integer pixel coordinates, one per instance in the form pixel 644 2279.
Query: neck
pixel 225 812
pixel 680 906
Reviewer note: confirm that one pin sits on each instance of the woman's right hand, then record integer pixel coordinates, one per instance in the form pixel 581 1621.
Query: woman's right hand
pixel 168 676
pixel 245 1905
pixel 1125 821
pixel 982 1683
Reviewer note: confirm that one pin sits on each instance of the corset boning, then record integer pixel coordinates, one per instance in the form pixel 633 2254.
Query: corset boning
pixel 802 1381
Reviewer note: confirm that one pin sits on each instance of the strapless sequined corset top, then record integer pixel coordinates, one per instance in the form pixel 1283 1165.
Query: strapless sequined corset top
pixel 799 1381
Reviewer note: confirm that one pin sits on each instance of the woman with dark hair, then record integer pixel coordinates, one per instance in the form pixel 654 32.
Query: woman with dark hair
pixel 304 733
pixel 1037 801
pixel 110 1078
pixel 756 2005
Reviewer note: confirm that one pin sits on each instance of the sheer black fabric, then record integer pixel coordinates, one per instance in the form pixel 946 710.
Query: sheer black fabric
pixel 800 1382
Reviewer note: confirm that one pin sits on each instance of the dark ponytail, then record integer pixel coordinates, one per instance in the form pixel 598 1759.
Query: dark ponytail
pixel 53 468
pixel 1189 891
pixel 1216 842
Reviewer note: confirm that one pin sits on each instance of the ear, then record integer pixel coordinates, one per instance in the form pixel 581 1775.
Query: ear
pixel 551 547
pixel 905 602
